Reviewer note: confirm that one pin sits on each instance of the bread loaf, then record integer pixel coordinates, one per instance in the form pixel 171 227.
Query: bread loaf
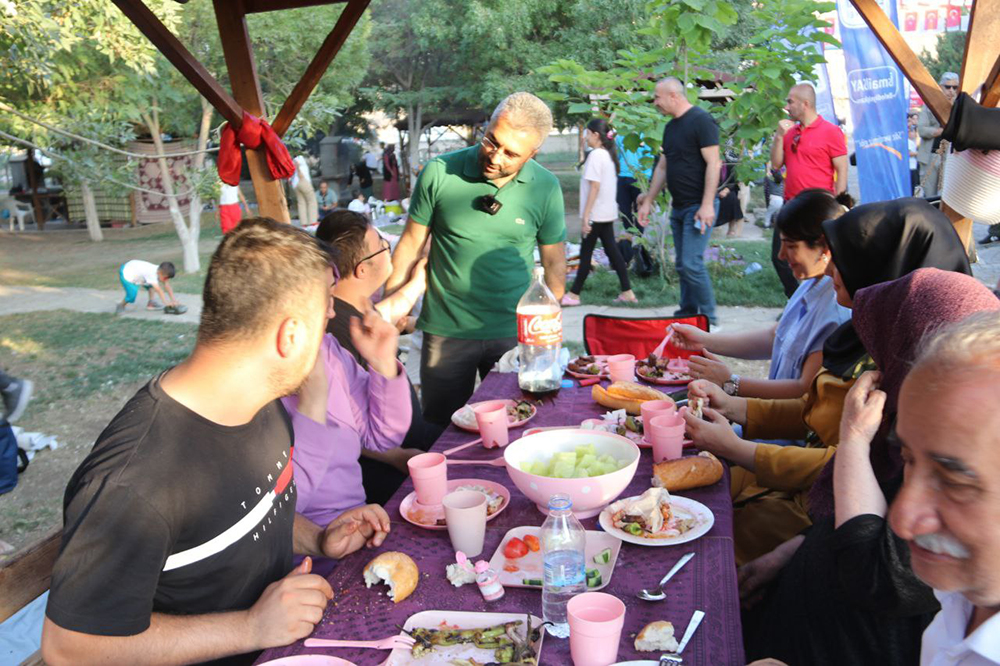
pixel 625 395
pixel 656 637
pixel 688 472
pixel 396 569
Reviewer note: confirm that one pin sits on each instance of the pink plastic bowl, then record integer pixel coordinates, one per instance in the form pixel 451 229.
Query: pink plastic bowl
pixel 589 495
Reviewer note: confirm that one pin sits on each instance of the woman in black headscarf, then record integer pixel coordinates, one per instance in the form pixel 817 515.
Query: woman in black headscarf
pixel 773 486
pixel 847 594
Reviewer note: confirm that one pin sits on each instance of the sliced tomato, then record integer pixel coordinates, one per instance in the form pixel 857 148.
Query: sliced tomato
pixel 514 549
pixel 511 567
pixel 531 541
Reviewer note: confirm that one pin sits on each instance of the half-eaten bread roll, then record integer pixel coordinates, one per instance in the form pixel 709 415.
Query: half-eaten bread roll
pixel 396 569
pixel 656 637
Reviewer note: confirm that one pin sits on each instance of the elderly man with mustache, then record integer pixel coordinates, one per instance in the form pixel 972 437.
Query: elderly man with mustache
pixel 948 510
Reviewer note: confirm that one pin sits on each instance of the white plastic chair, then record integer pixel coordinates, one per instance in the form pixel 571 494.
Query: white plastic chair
pixel 18 211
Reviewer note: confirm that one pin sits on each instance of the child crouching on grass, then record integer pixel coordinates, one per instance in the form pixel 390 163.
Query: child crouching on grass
pixel 136 273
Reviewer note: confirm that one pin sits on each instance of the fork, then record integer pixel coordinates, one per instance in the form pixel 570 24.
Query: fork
pixel 389 643
pixel 675 659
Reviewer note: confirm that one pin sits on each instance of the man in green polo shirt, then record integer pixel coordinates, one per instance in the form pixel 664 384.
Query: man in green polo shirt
pixel 486 208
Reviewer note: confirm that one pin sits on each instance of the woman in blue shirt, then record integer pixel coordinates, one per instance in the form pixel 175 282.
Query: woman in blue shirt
pixel 795 343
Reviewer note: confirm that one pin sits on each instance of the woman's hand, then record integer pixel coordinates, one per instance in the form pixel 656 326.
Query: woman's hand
pixel 862 415
pixel 713 433
pixel 690 338
pixel 708 366
pixel 713 394
pixel 585 229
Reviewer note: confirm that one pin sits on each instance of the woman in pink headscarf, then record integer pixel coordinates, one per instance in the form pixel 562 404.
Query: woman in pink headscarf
pixel 390 172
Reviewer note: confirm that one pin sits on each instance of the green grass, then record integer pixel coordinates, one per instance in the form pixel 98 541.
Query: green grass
pixel 732 287
pixel 73 355
pixel 567 158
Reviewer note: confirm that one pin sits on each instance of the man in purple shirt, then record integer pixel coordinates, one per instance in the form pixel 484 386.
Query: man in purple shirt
pixel 367 409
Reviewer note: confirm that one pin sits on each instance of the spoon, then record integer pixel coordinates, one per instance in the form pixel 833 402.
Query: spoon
pixel 659 594
pixel 458 448
pixel 495 462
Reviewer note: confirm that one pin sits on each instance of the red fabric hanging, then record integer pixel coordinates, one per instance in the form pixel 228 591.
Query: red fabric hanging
pixel 251 134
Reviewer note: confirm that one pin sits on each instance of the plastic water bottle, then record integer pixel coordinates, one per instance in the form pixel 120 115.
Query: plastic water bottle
pixel 564 544
pixel 539 338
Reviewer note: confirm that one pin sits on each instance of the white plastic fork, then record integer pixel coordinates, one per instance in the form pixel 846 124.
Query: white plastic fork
pixel 390 643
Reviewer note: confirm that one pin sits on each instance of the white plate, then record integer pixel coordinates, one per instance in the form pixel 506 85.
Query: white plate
pixel 530 566
pixel 466 420
pixel 701 512
pixel 433 619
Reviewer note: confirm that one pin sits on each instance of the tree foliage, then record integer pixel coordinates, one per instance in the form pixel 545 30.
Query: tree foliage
pixel 948 56
pixel 692 37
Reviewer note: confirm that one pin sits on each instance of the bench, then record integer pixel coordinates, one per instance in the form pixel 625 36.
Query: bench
pixel 26 576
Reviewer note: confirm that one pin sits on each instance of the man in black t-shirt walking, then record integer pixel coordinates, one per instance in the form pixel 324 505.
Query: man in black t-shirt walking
pixel 180 525
pixel 690 167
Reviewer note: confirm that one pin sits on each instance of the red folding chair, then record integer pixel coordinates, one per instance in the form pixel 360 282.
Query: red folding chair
pixel 634 335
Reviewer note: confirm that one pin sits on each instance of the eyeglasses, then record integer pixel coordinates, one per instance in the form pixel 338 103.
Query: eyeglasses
pixel 384 246
pixel 492 149
pixel 795 142
pixel 947 86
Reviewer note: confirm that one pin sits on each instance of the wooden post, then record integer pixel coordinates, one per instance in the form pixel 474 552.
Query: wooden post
pixel 181 58
pixel 981 49
pixel 905 58
pixel 963 225
pixel 320 63
pixel 238 51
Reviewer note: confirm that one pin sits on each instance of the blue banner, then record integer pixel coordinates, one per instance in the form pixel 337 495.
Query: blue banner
pixel 878 107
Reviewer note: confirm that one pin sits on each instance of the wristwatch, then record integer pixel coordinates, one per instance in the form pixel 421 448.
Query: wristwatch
pixel 732 385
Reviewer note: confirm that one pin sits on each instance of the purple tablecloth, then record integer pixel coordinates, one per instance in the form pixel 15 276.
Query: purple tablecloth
pixel 707 583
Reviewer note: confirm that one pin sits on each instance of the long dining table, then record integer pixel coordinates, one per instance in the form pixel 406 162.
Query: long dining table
pixel 707 582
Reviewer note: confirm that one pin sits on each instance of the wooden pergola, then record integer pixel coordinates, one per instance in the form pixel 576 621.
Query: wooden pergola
pixel 246 94
pixel 980 67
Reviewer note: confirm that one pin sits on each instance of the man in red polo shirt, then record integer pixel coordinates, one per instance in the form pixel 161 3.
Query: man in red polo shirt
pixel 812 150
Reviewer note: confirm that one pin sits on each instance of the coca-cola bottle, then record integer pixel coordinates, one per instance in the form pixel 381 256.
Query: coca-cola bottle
pixel 539 338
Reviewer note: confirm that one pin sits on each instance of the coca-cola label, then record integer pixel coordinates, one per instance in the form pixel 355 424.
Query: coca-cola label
pixel 539 329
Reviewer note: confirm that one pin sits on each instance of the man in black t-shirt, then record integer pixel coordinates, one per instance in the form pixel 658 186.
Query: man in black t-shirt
pixel 690 167
pixel 180 525
pixel 364 267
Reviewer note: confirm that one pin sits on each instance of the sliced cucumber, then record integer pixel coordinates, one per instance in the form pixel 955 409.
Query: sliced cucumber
pixel 534 582
pixel 603 557
pixel 596 580
pixel 593 573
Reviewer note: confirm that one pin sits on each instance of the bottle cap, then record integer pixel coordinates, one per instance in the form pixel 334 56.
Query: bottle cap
pixel 482 566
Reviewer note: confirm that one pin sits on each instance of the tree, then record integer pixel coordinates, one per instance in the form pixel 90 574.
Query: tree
pixel 441 56
pixel 772 53
pixel 949 52
pixel 84 67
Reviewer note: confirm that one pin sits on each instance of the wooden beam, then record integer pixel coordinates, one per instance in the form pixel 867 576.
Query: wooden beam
pixel 991 92
pixel 981 46
pixel 257 6
pixel 28 574
pixel 238 52
pixel 963 225
pixel 320 63
pixel 904 56
pixel 181 58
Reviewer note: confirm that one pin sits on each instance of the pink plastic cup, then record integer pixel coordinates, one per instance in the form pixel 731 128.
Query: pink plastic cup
pixel 595 628
pixel 666 436
pixel 653 408
pixel 491 417
pixel 621 367
pixel 465 513
pixel 429 472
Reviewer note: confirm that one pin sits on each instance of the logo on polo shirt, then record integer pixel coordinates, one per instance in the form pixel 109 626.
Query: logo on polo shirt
pixel 519 221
